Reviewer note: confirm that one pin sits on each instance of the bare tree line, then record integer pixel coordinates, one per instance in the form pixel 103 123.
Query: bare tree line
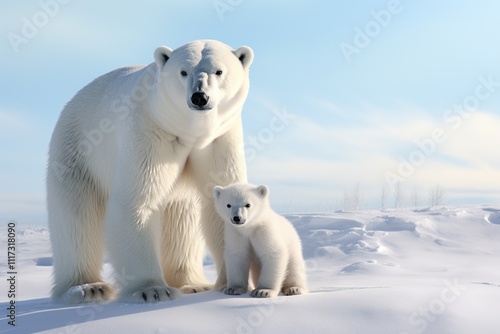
pixel 435 196
pixel 353 198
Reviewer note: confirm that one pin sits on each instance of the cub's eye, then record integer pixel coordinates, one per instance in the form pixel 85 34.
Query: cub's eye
pixel 247 205
pixel 218 72
pixel 184 73
pixel 229 205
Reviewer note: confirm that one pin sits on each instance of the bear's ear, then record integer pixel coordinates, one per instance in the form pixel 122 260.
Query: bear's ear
pixel 245 55
pixel 263 191
pixel 217 191
pixel 162 54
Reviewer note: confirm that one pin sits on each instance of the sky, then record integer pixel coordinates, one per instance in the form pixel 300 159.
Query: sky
pixel 344 95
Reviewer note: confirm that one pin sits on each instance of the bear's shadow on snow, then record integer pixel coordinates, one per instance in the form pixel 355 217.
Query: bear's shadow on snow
pixel 42 314
pixel 43 261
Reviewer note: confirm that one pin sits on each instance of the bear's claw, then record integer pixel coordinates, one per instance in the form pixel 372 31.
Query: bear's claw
pixel 98 292
pixel 235 291
pixel 154 294
pixel 196 288
pixel 263 293
pixel 293 290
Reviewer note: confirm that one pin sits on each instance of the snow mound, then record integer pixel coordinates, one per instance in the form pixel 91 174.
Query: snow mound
pixel 368 267
pixel 390 224
pixel 493 217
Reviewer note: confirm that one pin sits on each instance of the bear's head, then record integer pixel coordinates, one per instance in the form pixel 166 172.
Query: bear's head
pixel 203 83
pixel 240 204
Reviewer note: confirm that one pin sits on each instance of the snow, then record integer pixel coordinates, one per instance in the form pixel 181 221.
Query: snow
pixel 417 270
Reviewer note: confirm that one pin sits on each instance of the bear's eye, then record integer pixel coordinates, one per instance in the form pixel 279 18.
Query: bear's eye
pixel 184 73
pixel 218 72
pixel 247 205
pixel 229 205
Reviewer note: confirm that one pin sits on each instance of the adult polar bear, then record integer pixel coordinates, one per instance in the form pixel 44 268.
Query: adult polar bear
pixel 131 156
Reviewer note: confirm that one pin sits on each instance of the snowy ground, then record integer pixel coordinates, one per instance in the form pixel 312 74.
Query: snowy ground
pixel 426 270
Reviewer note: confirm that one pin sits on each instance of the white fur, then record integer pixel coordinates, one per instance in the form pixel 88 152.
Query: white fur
pixel 132 157
pixel 258 238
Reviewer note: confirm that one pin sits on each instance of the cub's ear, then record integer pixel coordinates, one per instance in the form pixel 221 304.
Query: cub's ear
pixel 245 55
pixel 263 191
pixel 217 191
pixel 162 54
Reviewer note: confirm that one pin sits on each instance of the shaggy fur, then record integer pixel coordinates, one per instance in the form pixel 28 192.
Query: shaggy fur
pixel 260 241
pixel 134 157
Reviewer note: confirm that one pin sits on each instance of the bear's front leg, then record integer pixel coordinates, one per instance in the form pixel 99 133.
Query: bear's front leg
pixel 221 163
pixel 237 259
pixel 134 247
pixel 273 270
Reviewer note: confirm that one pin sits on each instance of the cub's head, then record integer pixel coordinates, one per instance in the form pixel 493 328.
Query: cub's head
pixel 240 204
pixel 205 75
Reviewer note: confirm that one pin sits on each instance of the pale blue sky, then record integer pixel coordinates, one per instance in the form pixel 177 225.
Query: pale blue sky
pixel 363 82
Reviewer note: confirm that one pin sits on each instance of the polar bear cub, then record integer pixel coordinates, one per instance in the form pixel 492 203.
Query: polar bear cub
pixel 257 237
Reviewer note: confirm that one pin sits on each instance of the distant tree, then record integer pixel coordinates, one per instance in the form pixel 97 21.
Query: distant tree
pixel 398 195
pixel 383 196
pixel 415 199
pixel 353 200
pixel 436 196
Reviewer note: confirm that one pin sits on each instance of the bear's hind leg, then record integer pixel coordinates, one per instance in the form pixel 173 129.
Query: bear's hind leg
pixel 76 222
pixel 183 246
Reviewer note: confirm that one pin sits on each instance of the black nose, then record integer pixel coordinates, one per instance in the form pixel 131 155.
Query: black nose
pixel 236 219
pixel 199 99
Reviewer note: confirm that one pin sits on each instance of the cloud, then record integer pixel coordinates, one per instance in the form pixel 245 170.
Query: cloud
pixel 374 134
pixel 11 122
pixel 321 161
pixel 476 140
pixel 467 159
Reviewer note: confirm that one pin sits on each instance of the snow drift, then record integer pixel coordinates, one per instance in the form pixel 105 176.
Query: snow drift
pixel 422 270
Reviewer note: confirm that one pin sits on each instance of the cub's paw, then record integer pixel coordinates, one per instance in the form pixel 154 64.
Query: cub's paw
pixel 264 293
pixel 152 294
pixel 99 292
pixel 294 290
pixel 196 288
pixel 235 291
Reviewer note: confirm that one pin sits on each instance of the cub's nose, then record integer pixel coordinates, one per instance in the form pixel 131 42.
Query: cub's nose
pixel 236 219
pixel 199 99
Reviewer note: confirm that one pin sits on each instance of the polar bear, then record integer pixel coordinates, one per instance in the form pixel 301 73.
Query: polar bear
pixel 133 160
pixel 256 237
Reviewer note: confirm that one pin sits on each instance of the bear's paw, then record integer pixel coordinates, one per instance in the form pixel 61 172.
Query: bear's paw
pixel 98 292
pixel 293 290
pixel 235 291
pixel 153 294
pixel 187 289
pixel 264 293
